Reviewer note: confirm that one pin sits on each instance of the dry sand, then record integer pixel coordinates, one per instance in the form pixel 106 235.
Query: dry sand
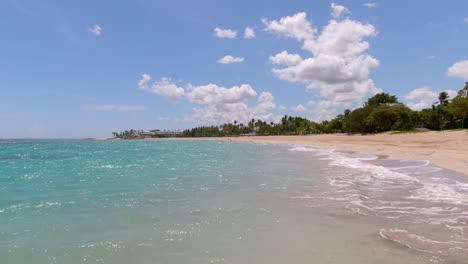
pixel 447 149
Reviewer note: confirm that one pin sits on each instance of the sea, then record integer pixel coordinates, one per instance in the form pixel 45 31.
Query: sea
pixel 183 201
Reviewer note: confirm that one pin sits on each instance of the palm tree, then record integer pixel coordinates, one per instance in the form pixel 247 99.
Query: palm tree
pixel 443 98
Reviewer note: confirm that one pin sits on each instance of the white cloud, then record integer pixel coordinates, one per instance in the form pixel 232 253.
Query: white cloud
pixel 431 57
pixel 465 20
pixel 421 98
pixel 228 104
pixel 120 108
pixel 338 10
pixel 249 33
pixel 342 38
pixel 228 113
pixel 325 109
pixel 95 29
pixel 221 113
pixel 370 5
pixel 284 58
pixel 225 33
pixel 217 104
pixel 339 65
pixel 165 87
pixel 459 70
pixel 265 102
pixel 347 92
pixel 143 83
pixel 424 97
pixel 329 70
pixel 228 59
pixel 211 94
pixel 296 26
pixel 451 93
pixel 299 108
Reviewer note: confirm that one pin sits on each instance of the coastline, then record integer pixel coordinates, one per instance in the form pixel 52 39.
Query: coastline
pixel 446 149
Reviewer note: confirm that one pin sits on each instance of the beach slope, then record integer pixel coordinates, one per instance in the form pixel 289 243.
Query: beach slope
pixel 447 149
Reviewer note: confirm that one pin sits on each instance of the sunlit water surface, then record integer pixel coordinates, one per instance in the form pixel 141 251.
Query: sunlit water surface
pixel 77 201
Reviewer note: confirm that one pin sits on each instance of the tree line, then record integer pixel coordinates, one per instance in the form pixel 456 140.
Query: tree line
pixel 382 112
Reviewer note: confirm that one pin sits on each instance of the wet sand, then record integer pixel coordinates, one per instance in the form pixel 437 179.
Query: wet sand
pixel 447 149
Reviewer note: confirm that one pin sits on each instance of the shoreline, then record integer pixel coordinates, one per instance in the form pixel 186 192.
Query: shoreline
pixel 446 149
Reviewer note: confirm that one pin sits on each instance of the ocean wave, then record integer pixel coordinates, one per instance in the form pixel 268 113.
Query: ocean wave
pixel 356 162
pixel 408 192
pixel 436 192
pixel 419 242
pixel 17 208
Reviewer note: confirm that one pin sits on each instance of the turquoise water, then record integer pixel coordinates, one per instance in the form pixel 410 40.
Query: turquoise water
pixel 77 201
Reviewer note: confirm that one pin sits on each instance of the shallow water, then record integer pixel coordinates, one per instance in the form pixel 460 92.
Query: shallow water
pixel 419 205
pixel 65 201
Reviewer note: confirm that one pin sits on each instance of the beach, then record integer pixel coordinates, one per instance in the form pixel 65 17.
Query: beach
pixel 447 149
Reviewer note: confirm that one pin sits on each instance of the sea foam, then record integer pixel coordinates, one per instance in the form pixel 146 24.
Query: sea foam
pixel 412 192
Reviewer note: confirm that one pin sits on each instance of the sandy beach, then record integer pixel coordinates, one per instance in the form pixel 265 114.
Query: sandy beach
pixel 447 149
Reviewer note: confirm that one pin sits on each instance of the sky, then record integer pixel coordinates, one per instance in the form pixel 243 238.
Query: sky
pixel 74 69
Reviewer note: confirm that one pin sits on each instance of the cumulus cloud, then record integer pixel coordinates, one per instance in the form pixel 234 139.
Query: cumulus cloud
pixel 228 59
pixel 424 97
pixel 265 102
pixel 370 5
pixel 249 33
pixel 421 98
pixel 95 30
pixel 216 114
pixel 342 38
pixel 143 83
pixel 459 70
pixel 225 33
pixel 221 113
pixel 284 58
pixel 120 108
pixel 229 104
pixel 212 94
pixel 165 87
pixel 451 93
pixel 216 104
pixel 338 10
pixel 325 109
pixel 299 108
pixel 330 71
pixel 296 26
pixel 339 64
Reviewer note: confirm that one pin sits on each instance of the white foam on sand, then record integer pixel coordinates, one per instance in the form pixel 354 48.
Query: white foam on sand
pixel 434 189
pixel 418 242
pixel 356 162
pixel 411 192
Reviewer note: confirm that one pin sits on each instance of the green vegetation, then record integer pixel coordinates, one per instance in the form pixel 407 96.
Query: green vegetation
pixel 381 113
pixel 288 126
pixel 139 134
pixel 126 134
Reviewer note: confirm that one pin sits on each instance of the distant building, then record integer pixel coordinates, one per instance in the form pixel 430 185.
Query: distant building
pixel 162 133
pixel 147 133
pixel 168 133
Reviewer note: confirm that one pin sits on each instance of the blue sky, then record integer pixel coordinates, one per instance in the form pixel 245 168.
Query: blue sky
pixel 75 68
